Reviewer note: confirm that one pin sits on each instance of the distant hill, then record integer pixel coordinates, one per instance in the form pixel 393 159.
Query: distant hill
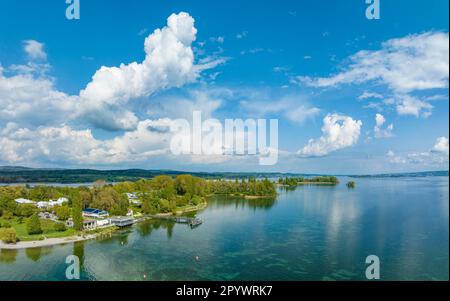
pixel 10 174
pixel 14 168
pixel 441 173
pixel 20 174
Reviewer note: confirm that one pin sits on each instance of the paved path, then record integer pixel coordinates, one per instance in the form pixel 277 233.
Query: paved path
pixel 45 243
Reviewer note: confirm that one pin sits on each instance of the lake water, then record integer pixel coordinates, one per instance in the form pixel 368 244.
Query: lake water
pixel 311 233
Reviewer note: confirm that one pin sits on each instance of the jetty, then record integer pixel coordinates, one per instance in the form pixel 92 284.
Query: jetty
pixel 191 221
pixel 122 221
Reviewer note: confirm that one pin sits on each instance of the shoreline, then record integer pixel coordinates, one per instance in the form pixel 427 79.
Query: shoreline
pixel 254 197
pixel 307 183
pixel 49 242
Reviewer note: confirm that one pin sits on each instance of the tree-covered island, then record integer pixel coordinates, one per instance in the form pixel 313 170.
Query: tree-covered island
pixel 319 180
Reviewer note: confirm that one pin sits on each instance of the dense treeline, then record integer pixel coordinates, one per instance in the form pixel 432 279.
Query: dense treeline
pixel 30 175
pixel 251 187
pixel 165 194
pixel 294 181
pixel 75 175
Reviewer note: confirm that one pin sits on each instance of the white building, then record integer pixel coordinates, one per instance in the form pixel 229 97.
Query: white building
pixel 103 222
pixel 24 201
pixel 52 203
pixel 42 205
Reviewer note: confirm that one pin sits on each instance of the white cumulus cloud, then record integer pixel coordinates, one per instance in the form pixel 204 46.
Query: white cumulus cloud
pixel 66 145
pixel 35 50
pixel 169 62
pixel 379 131
pixel 338 132
pixel 33 101
pixel 441 145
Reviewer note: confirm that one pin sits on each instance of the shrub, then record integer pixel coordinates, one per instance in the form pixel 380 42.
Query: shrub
pixel 60 227
pixel 34 225
pixel 6 224
pixel 8 236
pixel 196 200
pixel 7 215
pixel 351 184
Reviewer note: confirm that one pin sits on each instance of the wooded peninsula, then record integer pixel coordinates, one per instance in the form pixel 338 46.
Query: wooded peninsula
pixel 27 214
pixel 32 213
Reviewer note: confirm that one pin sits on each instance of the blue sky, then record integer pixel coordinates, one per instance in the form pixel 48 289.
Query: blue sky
pixel 371 94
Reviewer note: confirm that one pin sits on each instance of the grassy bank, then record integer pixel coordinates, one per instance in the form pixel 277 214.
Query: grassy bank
pixel 46 225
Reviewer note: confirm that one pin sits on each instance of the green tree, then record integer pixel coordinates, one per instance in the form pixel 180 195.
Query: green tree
pixel 165 186
pixel 25 210
pixel 77 213
pixel 62 212
pixel 150 204
pixel 107 198
pixel 120 207
pixel 34 225
pixel 86 197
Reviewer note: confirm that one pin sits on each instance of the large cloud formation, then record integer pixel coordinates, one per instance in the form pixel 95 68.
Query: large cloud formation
pixel 413 63
pixel 39 123
pixel 169 62
pixel 53 145
pixel 338 132
pixel 33 101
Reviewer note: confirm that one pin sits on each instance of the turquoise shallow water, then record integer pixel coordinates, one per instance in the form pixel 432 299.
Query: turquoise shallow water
pixel 311 233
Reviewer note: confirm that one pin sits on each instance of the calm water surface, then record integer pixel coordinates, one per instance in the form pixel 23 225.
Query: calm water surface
pixel 311 233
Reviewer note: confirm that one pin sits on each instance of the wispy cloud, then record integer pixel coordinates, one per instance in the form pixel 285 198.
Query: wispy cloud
pixel 405 65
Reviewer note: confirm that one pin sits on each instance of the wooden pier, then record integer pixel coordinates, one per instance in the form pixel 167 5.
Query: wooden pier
pixel 122 221
pixel 191 221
